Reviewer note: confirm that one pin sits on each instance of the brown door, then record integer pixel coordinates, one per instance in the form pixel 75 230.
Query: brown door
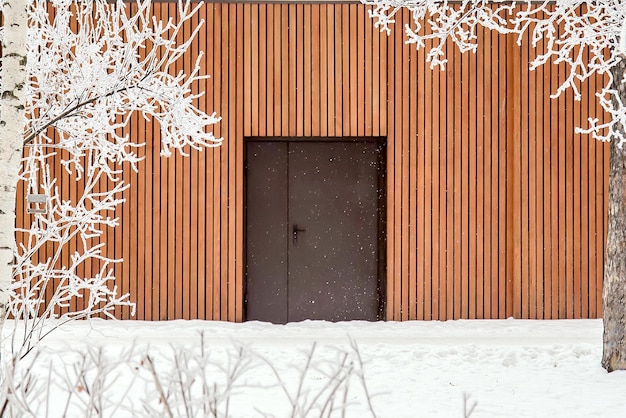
pixel 312 240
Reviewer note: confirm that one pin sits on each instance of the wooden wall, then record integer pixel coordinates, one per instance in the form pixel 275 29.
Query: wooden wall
pixel 496 208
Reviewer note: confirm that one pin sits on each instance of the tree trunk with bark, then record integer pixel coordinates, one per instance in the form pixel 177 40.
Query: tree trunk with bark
pixel 12 103
pixel 614 291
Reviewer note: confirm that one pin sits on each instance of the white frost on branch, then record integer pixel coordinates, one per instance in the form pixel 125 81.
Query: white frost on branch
pixel 91 67
pixel 440 22
pixel 587 36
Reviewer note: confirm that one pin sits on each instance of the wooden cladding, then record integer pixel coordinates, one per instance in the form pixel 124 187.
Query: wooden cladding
pixel 495 207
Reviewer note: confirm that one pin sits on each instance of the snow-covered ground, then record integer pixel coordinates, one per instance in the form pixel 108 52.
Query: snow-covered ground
pixel 509 368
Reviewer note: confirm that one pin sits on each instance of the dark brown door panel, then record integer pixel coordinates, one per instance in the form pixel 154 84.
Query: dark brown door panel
pixel 313 230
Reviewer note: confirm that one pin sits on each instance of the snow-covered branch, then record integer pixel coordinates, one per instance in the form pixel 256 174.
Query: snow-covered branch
pixel 437 22
pixel 199 380
pixel 91 68
pixel 586 36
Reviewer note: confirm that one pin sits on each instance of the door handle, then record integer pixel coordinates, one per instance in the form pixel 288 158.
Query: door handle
pixel 295 231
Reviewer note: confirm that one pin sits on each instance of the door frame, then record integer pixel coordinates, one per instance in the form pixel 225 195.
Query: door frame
pixel 382 209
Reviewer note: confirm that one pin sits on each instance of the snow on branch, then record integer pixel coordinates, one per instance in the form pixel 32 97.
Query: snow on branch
pixel 442 21
pixel 587 36
pixel 93 66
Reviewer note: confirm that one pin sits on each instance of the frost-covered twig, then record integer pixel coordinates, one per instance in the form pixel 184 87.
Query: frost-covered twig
pixel 584 35
pixel 92 67
pixel 194 381
pixel 159 387
pixel 325 398
pixel 468 406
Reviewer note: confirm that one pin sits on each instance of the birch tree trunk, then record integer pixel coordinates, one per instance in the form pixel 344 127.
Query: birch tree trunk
pixel 614 291
pixel 12 103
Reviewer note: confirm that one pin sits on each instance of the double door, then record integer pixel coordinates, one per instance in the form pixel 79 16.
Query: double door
pixel 314 222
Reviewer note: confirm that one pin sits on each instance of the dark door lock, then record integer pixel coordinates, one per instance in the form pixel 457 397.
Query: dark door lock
pixel 295 233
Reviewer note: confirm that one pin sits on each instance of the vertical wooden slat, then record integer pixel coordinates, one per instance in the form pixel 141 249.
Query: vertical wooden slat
pixel 537 167
pixel 397 230
pixel 159 220
pixel 502 181
pixel 187 209
pixel 220 98
pixel 346 76
pixel 466 291
pixel 569 162
pixel 459 210
pixel 480 178
pixel 429 143
pixel 294 103
pixel 323 72
pixel 554 193
pixel 563 181
pixel 299 61
pixel 513 152
pixel 181 206
pixel 551 214
pixel 197 205
pixel 584 206
pixel 213 296
pixel 443 193
pixel 577 204
pixel 138 276
pixel 247 70
pixel 278 69
pixel 472 142
pixel 548 220
pixel 406 151
pixel 231 219
pixel 202 174
pixel 373 57
pixel 237 297
pixel 510 181
pixel 524 297
pixel 436 190
pixel 420 254
pixel 221 183
pixel 391 294
pixel 268 40
pixel 263 59
pixel 314 62
pixel 331 36
pixel 286 86
pixel 488 272
pixel 360 46
pixel 171 224
pixel 413 80
pixel 368 87
pixel 268 98
pixel 255 70
pixel 354 71
pixel 595 258
pixel 308 76
pixel 339 70
pixel 495 206
pixel 383 57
